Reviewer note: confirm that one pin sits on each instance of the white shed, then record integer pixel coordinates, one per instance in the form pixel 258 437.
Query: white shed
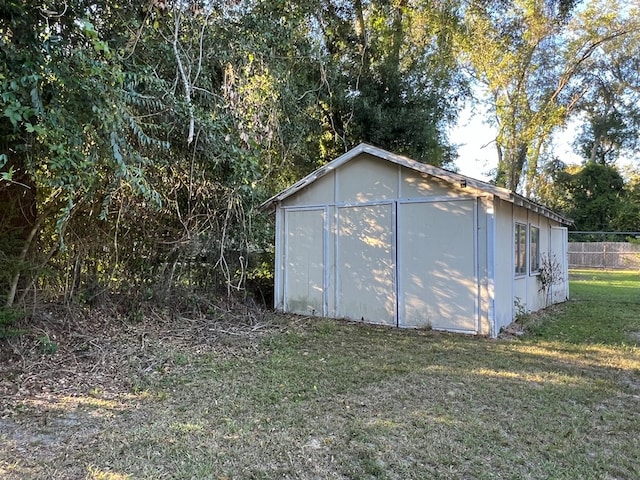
pixel 378 237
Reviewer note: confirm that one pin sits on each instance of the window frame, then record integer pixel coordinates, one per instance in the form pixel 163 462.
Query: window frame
pixel 520 256
pixel 534 269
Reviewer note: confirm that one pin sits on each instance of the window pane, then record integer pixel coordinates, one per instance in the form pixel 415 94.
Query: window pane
pixel 535 249
pixel 520 249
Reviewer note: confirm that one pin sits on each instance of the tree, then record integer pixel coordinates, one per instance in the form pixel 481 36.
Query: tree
pixel 139 137
pixel 593 196
pixel 610 107
pixel 65 108
pixel 532 56
pixel 391 77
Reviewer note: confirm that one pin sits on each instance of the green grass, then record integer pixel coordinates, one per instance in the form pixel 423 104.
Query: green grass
pixel 604 308
pixel 318 399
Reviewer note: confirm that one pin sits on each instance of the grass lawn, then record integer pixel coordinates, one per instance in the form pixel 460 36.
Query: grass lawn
pixel 292 398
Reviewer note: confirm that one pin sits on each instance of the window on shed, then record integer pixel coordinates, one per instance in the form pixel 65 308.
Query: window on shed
pixel 520 249
pixel 534 249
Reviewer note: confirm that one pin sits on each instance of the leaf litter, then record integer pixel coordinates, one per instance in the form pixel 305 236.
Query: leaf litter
pixel 74 372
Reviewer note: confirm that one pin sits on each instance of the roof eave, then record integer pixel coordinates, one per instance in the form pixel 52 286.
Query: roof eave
pixel 312 177
pixel 517 199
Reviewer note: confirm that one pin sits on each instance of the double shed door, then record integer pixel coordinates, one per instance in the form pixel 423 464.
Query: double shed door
pixel 411 264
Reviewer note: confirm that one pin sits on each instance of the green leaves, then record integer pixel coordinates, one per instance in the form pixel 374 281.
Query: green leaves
pixel 8 175
pixel 17 113
pixel 152 130
pixel 90 31
pixel 539 62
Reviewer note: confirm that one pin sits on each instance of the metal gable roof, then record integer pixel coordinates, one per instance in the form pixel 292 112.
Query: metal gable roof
pixel 442 174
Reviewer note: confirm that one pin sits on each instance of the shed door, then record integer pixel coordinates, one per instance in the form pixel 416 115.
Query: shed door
pixel 560 291
pixel 365 263
pixel 437 280
pixel 304 251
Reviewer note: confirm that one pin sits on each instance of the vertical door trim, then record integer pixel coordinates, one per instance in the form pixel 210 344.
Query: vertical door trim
pixel 279 265
pixel 491 267
pixel 476 267
pixel 325 260
pixel 394 261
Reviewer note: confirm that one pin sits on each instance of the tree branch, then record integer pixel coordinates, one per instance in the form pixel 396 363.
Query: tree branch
pixel 185 79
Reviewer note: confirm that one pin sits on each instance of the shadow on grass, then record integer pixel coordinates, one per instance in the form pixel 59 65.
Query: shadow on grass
pixel 334 400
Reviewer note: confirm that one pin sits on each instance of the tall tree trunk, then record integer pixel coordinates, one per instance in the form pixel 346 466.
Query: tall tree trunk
pixel 361 32
pixel 594 149
pixel 398 35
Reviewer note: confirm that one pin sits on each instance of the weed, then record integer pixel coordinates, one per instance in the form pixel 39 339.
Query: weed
pixel 325 327
pixel 8 318
pixel 551 273
pixel 520 309
pixel 47 346
pixel 181 359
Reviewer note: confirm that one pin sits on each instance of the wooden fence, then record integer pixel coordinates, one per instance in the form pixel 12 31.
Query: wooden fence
pixel 607 255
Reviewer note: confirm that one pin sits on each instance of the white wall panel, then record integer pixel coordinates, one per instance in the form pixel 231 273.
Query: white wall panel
pixel 365 263
pixel 504 283
pixel 415 184
pixel 322 192
pixel 366 179
pixel 558 252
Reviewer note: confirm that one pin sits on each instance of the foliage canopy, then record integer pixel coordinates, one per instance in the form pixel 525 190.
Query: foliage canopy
pixel 137 138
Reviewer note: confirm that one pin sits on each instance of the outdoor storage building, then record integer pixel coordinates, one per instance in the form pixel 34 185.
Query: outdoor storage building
pixel 377 237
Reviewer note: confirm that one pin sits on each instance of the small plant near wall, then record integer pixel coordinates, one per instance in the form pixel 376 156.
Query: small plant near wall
pixel 520 308
pixel 550 274
pixel 518 326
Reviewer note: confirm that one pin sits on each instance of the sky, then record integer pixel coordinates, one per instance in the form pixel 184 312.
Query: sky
pixel 473 137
